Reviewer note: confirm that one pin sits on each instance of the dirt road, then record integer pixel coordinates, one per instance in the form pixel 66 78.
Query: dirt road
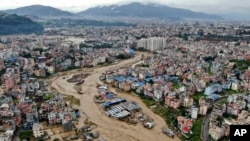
pixel 111 129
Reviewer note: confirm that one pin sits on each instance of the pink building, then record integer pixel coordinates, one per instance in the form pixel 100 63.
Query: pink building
pixel 233 109
pixel 203 109
pixel 184 124
pixel 9 83
pixel 172 101
pixel 2 66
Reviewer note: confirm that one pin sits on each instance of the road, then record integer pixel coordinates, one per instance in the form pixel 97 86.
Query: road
pixel 205 128
pixel 111 129
pixel 205 125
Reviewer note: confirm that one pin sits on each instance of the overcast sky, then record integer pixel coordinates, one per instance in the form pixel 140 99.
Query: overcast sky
pixel 208 6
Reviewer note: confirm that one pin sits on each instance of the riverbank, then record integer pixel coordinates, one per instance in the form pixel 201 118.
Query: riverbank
pixel 111 129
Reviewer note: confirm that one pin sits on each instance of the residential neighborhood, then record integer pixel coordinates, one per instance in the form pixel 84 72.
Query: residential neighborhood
pixel 189 74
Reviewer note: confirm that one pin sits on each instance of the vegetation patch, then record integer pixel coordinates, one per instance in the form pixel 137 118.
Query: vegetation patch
pixel 197 96
pixel 72 100
pixel 25 135
pixel 197 127
pixel 231 92
pixel 48 97
pixel 241 64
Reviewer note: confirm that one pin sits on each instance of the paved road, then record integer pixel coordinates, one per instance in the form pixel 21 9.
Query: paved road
pixel 205 128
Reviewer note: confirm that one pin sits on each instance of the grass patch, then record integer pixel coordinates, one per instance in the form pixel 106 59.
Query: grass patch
pixel 25 135
pixel 168 114
pixel 72 100
pixel 197 126
pixel 176 86
pixel 160 110
pixel 231 92
pixel 148 101
pixel 48 97
pixel 223 101
pixel 197 96
pixel 241 64
pixel 16 101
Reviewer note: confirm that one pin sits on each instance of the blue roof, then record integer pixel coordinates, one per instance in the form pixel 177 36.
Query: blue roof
pixel 132 78
pixel 214 96
pixel 120 78
pixel 140 84
pixel 148 79
pixel 12 59
pixel 109 103
pixel 110 96
pixel 131 51
pixel 77 114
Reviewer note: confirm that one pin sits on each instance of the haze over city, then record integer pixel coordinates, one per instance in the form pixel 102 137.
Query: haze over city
pixel 124 70
pixel 219 7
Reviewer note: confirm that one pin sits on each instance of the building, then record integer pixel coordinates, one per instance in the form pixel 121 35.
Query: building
pixel 187 102
pixel 172 101
pixel 152 44
pixel 203 109
pixel 194 112
pixel 67 123
pixel 2 66
pixel 184 124
pixel 47 42
pixel 37 130
pixel 7 135
pixel 235 86
pixel 52 118
pixel 216 132
pixel 212 89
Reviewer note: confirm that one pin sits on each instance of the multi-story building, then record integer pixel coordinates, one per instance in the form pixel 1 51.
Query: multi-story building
pixel 184 124
pixel 152 44
pixel 172 101
pixel 37 130
pixel 216 132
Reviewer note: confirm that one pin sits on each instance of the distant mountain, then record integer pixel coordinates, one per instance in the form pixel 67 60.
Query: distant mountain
pixel 146 11
pixel 14 24
pixel 39 11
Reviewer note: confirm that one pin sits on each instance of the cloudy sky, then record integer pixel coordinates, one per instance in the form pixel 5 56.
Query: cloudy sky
pixel 221 7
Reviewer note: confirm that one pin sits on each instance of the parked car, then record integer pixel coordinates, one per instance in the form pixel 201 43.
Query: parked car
pixel 148 125
pixel 168 132
pixel 86 128
pixel 87 137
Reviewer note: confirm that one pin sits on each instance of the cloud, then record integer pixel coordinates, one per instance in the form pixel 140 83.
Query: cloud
pixel 214 6
pixel 208 6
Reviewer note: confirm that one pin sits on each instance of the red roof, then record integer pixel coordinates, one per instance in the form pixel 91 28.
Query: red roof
pixel 185 129
pixel 247 73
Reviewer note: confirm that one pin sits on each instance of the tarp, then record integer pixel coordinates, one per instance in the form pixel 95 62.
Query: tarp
pixel 140 84
pixel 103 87
pixel 120 79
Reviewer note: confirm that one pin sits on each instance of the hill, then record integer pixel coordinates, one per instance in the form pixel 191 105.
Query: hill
pixel 14 24
pixel 39 11
pixel 145 11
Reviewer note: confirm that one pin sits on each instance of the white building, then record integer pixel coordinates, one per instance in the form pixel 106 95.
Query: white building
pixel 37 130
pixel 194 112
pixel 235 86
pixel 152 44
pixel 5 54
